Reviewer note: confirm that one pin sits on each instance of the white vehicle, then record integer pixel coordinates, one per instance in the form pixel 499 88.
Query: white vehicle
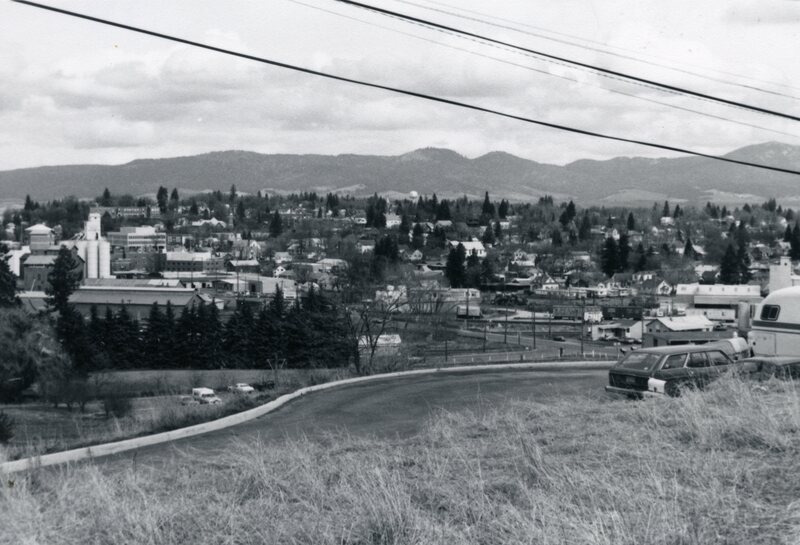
pixel 241 388
pixel 776 324
pixel 205 396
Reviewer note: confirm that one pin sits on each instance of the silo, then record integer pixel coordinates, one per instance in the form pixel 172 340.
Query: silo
pixel 104 258
pixel 91 259
pixel 80 245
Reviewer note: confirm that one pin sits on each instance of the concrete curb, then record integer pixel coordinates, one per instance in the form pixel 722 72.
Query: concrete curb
pixel 117 447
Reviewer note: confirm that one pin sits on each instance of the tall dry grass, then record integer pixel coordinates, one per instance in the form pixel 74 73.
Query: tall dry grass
pixel 713 467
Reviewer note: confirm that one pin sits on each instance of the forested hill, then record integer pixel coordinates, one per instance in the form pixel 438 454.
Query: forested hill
pixel 628 180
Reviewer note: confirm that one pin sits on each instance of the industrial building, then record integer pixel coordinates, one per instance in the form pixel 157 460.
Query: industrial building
pixel 137 239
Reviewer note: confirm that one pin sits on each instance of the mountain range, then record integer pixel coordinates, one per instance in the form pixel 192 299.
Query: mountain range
pixel 622 180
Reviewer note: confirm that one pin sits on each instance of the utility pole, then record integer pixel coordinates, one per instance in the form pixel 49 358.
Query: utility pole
pixel 505 330
pixel 484 337
pixel 533 325
pixel 583 321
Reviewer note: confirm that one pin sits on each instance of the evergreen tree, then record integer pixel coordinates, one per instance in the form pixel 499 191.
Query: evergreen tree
pixel 665 211
pixel 417 237
pixel 623 253
pixel 502 210
pixel 232 194
pixel 454 268
pixel 405 226
pixel 609 257
pixel 688 249
pixel 787 234
pixel 498 231
pixel 174 199
pixel 794 251
pixel 488 208
pixel 472 274
pixel 585 229
pixel 631 222
pixel 729 267
pixel 161 198
pixel 106 200
pixel 63 279
pixel 154 340
pixel 443 211
pixel 8 286
pixel 488 235
pixel 487 270
pixel 556 239
pixel 743 261
pixel 276 224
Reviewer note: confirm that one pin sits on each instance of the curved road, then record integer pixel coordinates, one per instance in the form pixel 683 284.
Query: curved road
pixel 391 408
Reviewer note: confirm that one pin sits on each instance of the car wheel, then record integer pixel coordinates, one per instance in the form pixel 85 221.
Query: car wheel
pixel 672 388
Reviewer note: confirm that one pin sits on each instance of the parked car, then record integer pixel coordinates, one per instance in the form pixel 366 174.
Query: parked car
pixel 667 370
pixel 241 388
pixel 766 367
pixel 189 400
pixel 559 338
pixel 205 396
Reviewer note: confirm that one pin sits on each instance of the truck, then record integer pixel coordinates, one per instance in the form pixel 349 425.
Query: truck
pixel 776 324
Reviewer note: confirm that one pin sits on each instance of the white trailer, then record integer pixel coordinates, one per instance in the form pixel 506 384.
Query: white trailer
pixel 776 324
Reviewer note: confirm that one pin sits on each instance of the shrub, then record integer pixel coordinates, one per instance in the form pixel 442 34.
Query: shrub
pixel 117 405
pixel 6 429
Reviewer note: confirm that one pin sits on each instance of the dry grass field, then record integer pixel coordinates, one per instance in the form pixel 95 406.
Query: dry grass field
pixel 718 466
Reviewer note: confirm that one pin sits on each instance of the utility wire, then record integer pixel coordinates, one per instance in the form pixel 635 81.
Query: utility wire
pixel 599 69
pixel 398 90
pixel 516 28
pixel 544 72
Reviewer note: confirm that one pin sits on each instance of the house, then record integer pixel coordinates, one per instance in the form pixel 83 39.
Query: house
pixel 470 246
pixel 416 256
pixel 281 258
pixel 393 220
pixel 655 286
pixel 366 245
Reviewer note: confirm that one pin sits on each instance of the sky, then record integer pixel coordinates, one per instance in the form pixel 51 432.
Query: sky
pixel 74 91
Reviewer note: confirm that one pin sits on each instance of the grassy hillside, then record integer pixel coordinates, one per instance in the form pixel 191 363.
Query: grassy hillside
pixel 718 467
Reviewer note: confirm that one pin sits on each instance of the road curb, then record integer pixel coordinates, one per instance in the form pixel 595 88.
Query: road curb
pixel 116 447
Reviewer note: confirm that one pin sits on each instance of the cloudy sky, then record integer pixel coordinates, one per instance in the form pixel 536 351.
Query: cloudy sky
pixel 73 91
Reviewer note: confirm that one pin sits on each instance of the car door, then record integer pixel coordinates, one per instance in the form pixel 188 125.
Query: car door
pixel 673 367
pixel 698 370
pixel 718 363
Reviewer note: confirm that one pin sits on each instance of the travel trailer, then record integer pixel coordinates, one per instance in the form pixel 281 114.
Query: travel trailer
pixel 776 324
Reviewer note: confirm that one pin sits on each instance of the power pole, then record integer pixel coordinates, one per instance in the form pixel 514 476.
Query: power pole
pixel 505 329
pixel 484 337
pixel 533 325
pixel 583 322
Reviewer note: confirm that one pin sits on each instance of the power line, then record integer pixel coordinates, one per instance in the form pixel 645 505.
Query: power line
pixel 543 72
pixel 483 19
pixel 595 68
pixel 398 90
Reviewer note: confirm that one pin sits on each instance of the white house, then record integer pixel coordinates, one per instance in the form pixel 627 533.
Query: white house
pixel 470 246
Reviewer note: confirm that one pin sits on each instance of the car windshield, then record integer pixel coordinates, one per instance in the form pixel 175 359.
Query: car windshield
pixel 639 360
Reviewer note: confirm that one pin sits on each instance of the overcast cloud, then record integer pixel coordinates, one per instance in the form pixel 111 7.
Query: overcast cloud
pixel 77 92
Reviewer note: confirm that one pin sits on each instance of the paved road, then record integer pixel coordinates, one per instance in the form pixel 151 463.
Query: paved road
pixel 398 408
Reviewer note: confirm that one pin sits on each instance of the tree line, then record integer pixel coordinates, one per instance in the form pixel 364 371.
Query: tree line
pixel 309 333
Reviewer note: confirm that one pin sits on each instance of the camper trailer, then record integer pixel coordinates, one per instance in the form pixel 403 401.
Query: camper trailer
pixel 776 324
